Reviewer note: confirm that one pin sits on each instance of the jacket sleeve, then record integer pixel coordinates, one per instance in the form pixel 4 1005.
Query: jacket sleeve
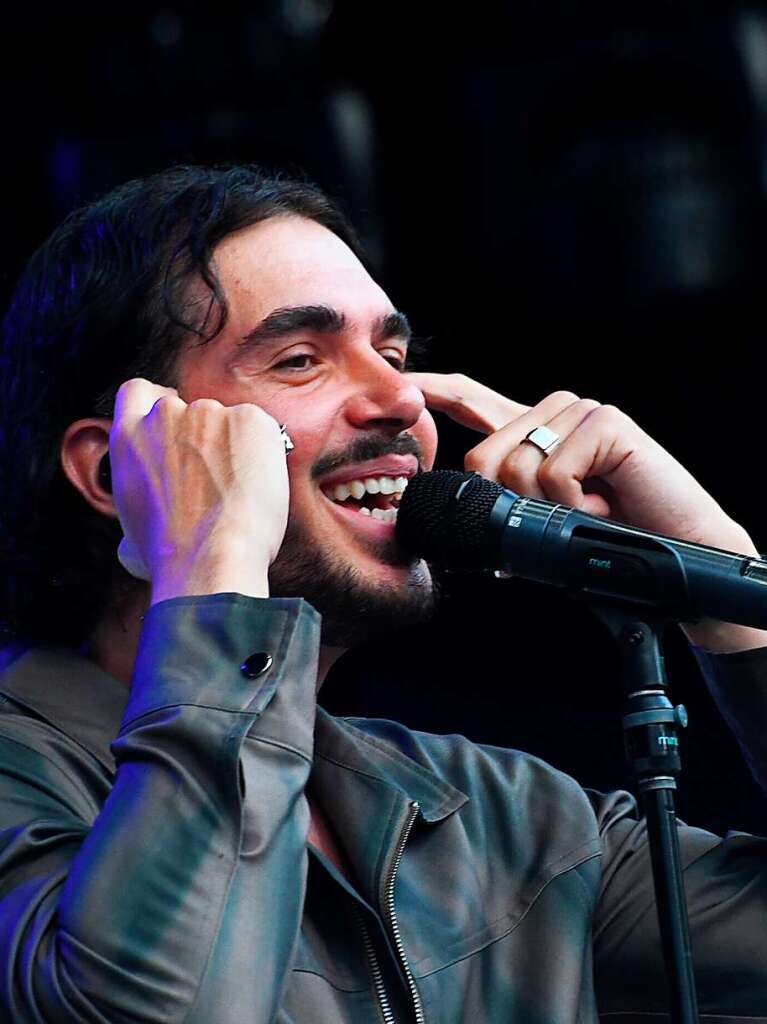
pixel 181 898
pixel 725 882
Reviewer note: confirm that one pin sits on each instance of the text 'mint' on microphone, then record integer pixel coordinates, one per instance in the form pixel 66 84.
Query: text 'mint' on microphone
pixel 463 521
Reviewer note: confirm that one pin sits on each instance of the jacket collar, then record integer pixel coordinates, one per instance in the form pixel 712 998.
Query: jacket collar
pixel 342 746
pixel 88 708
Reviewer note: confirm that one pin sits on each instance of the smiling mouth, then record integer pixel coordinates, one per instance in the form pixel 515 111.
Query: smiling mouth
pixel 374 499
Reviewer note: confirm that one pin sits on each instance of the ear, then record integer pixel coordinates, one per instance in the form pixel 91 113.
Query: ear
pixel 83 449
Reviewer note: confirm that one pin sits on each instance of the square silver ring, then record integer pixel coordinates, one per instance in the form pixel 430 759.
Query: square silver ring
pixel 543 438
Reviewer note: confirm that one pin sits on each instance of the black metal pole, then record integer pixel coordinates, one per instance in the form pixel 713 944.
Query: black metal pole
pixel 652 748
pixel 672 913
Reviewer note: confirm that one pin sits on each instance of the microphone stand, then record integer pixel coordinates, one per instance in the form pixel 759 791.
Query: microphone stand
pixel 652 749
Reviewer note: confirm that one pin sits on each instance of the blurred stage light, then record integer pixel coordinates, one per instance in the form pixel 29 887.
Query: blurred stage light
pixel 306 18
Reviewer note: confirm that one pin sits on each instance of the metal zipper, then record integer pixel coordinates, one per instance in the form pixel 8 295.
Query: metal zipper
pixel 391 910
pixel 375 968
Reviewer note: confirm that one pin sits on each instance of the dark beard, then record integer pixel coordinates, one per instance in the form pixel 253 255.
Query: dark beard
pixel 353 610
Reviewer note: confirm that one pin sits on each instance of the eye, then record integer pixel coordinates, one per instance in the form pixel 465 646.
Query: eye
pixel 286 363
pixel 395 358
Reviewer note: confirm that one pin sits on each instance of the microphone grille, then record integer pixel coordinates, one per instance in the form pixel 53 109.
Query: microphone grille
pixel 443 517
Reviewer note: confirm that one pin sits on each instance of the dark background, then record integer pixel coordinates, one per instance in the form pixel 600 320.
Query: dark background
pixel 560 194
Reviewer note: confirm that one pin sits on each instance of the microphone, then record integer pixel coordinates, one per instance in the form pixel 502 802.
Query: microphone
pixel 463 521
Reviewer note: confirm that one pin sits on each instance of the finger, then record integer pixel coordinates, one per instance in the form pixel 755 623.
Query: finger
pixel 597 448
pixel 597 499
pixel 594 450
pixel 467 401
pixel 135 399
pixel 530 463
pixel 267 426
pixel 526 469
pixel 506 457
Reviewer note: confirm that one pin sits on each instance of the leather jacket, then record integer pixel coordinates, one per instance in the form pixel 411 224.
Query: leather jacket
pixel 154 863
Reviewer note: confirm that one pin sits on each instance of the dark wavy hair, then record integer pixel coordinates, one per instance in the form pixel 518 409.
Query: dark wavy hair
pixel 111 295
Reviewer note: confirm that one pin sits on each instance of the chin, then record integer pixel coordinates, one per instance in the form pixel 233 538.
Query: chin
pixel 357 597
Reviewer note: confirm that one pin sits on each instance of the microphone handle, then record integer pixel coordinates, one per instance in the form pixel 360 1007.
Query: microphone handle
pixel 555 544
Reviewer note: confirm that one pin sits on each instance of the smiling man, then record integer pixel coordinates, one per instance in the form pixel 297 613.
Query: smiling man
pixel 314 341
pixel 184 835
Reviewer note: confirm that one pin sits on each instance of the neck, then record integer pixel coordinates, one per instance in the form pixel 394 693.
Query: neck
pixel 328 657
pixel 113 645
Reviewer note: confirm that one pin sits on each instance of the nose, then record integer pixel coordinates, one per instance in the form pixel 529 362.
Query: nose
pixel 381 396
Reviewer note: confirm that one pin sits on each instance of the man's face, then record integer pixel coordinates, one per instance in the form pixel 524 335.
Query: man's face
pixel 328 366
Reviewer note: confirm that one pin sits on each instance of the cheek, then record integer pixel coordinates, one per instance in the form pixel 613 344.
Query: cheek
pixel 306 421
pixel 307 427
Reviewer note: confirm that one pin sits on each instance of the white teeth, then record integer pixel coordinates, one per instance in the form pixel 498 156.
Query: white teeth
pixel 385 515
pixel 370 484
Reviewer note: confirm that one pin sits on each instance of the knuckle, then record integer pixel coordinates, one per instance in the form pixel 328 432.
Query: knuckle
pixel 164 405
pixel 258 420
pixel 245 409
pixel 548 472
pixel 472 461
pixel 252 413
pixel 140 385
pixel 590 404
pixel 565 396
pixel 205 403
pixel 612 414
pixel 128 390
pixel 513 472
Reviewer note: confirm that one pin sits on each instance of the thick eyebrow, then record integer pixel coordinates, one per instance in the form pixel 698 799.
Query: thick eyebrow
pixel 393 325
pixel 287 320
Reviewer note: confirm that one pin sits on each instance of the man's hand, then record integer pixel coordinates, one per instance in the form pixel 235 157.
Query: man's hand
pixel 604 464
pixel 201 490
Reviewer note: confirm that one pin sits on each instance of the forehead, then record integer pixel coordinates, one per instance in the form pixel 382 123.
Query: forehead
pixel 289 260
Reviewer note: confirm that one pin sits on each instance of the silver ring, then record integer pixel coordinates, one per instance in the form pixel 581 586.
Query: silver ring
pixel 289 446
pixel 543 438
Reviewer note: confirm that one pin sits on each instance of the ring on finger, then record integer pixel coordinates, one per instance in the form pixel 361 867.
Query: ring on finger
pixel 544 439
pixel 286 439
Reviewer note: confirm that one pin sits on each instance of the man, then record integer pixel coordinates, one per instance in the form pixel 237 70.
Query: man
pixel 185 837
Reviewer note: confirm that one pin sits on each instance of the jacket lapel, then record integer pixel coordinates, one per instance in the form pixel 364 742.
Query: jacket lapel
pixel 366 786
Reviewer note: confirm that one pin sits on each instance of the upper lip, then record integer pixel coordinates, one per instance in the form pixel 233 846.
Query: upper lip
pixel 390 465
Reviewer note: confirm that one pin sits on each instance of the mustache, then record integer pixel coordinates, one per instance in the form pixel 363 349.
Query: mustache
pixel 366 449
